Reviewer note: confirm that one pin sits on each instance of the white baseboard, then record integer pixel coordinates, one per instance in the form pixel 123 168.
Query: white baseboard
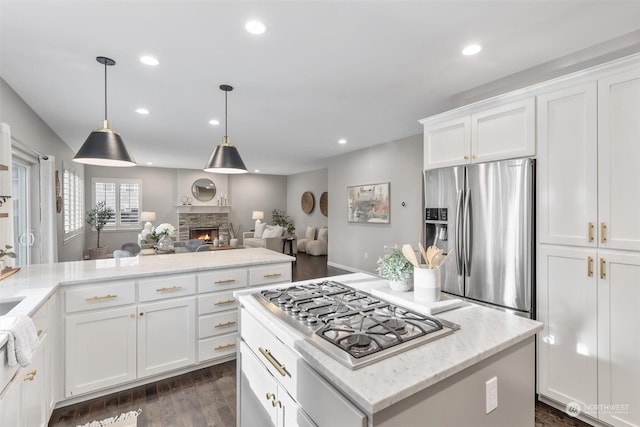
pixel 348 268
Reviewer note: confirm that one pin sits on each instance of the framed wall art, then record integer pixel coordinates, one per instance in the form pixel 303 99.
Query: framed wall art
pixel 369 203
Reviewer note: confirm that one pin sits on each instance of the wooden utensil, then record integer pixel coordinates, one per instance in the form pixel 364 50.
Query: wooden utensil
pixel 431 252
pixel 442 259
pixel 424 253
pixel 409 254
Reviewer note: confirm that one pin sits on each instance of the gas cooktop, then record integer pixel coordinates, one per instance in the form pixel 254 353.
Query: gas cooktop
pixel 352 326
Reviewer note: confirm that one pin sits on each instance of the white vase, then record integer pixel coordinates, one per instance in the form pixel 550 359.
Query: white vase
pixel 165 243
pixel 400 285
pixel 233 243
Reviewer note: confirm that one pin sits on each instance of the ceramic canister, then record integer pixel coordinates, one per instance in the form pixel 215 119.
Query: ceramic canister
pixel 426 284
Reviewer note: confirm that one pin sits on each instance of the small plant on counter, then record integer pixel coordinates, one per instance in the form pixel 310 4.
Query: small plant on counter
pixel 394 266
pixel 98 217
pixel 6 252
pixel 233 232
pixel 282 219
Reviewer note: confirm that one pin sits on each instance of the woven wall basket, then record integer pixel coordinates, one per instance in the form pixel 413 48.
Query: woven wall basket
pixel 307 202
pixel 324 204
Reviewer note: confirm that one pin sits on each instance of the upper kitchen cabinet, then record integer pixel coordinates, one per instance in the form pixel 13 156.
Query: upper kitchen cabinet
pixel 567 166
pixel 618 160
pixel 476 135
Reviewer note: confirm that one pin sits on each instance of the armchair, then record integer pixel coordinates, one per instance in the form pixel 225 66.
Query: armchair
pixel 270 238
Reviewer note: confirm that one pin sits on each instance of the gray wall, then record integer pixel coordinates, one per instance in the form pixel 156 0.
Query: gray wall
pixel 29 129
pixel 255 192
pixel 315 182
pixel 357 246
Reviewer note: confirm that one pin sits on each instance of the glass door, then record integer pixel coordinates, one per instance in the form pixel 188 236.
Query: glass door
pixel 25 198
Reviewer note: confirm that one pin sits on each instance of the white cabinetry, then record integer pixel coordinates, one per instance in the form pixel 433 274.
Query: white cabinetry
pixel 498 133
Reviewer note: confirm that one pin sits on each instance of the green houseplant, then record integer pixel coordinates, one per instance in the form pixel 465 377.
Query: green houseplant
pixel 98 217
pixel 6 252
pixel 394 267
pixel 282 219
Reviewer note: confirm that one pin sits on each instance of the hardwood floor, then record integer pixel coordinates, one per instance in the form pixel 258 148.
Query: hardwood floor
pixel 207 397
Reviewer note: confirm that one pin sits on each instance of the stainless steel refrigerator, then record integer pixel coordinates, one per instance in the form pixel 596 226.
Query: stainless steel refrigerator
pixel 484 213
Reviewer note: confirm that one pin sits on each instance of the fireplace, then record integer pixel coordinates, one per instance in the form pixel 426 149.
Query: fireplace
pixel 206 234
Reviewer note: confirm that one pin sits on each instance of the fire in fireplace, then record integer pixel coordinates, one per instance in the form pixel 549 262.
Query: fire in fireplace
pixel 206 234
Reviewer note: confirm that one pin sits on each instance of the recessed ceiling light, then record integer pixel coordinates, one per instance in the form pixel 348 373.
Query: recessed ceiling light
pixel 472 49
pixel 142 111
pixel 214 122
pixel 256 170
pixel 255 27
pixel 149 163
pixel 342 141
pixel 149 60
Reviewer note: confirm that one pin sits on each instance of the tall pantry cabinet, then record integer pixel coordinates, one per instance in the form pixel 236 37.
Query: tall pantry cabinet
pixel 588 258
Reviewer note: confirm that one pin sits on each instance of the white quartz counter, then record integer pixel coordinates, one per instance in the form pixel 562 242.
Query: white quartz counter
pixel 37 282
pixel 483 333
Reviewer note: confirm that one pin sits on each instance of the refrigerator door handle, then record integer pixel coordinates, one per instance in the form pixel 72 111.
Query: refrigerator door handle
pixel 467 232
pixel 459 237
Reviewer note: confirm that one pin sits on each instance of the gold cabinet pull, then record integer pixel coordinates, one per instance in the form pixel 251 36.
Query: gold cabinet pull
pixel 271 396
pixel 132 315
pixel 172 288
pixel 466 157
pixel 591 227
pixel 603 268
pixel 223 282
pixel 276 403
pixel 227 301
pixel 603 232
pixel 30 375
pixel 97 298
pixel 222 347
pixel 282 370
pixel 225 324
pixel 590 266
pixel 273 275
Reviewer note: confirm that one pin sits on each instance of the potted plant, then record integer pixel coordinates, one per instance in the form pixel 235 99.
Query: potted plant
pixel 98 217
pixel 162 235
pixel 233 232
pixel 394 267
pixel 282 219
pixel 6 252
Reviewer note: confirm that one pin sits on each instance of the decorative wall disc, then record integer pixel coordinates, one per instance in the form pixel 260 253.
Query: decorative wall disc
pixel 324 204
pixel 307 202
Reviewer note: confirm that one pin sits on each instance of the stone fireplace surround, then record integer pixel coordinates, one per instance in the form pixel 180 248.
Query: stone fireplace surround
pixel 193 220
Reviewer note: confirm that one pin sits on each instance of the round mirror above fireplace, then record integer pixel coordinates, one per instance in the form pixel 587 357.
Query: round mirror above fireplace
pixel 203 189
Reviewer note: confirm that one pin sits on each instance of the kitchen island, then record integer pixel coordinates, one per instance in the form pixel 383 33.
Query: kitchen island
pixel 443 382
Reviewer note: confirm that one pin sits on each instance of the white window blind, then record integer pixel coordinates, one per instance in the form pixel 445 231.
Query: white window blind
pixel 121 195
pixel 73 202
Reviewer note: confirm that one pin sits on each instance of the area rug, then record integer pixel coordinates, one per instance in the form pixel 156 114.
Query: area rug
pixel 128 419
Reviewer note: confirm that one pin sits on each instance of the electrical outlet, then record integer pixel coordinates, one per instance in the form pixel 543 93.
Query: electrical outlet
pixel 491 387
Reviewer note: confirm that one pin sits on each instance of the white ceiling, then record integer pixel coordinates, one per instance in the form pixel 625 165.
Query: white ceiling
pixel 360 70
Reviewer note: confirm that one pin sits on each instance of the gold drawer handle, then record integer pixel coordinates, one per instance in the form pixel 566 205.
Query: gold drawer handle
pixel 96 298
pixel 603 268
pixel 603 232
pixel 30 375
pixel 222 282
pixel 282 370
pixel 228 301
pixel 590 266
pixel 273 275
pixel 591 227
pixel 173 288
pixel 222 347
pixel 277 403
pixel 225 324
pixel 466 157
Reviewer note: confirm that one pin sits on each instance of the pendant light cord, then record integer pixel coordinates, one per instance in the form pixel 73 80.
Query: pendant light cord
pixel 105 91
pixel 225 114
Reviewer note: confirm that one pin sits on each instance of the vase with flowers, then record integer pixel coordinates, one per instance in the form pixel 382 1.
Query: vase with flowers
pixel 162 234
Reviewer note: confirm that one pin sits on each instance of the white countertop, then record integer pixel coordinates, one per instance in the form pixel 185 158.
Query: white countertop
pixel 483 332
pixel 37 282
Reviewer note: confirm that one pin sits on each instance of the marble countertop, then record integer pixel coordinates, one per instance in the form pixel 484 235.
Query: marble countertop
pixel 37 282
pixel 483 332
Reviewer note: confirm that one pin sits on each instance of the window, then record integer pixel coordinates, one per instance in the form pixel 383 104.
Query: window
pixel 73 201
pixel 121 195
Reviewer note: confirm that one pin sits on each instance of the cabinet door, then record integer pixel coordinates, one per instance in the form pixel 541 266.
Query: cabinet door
pixel 100 350
pixel 10 414
pixel 166 335
pixel 504 132
pixel 447 144
pixel 619 160
pixel 34 389
pixel 567 305
pixel 258 392
pixel 618 339
pixel 290 413
pixel 567 166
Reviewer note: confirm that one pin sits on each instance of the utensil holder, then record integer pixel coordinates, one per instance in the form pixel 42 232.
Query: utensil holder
pixel 426 284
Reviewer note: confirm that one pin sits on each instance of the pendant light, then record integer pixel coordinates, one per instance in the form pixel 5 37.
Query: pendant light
pixel 104 147
pixel 225 158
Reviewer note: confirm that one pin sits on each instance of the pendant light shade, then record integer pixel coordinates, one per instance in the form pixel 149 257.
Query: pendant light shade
pixel 225 158
pixel 104 146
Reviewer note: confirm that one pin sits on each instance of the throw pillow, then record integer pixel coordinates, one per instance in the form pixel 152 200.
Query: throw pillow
pixel 273 231
pixel 311 233
pixel 323 234
pixel 260 228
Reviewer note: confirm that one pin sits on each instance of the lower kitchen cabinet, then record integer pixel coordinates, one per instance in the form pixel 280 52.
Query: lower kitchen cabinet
pixel 588 351
pixel 263 401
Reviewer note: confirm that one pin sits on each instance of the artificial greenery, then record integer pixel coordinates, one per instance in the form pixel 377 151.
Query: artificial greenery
pixel 282 219
pixel 393 265
pixel 6 252
pixel 98 217
pixel 233 232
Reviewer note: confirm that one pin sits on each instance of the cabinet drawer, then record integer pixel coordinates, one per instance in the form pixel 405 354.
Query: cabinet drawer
pixel 217 324
pixel 279 359
pixel 222 279
pixel 177 285
pixel 219 346
pixel 271 274
pixel 216 301
pixel 103 295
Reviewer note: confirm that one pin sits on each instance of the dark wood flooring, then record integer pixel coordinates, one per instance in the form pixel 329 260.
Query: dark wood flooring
pixel 207 397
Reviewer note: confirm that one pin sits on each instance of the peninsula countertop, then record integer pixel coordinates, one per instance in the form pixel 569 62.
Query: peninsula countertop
pixel 38 281
pixel 483 332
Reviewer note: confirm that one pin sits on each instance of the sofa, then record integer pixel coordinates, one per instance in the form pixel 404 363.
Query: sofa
pixel 265 236
pixel 314 243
